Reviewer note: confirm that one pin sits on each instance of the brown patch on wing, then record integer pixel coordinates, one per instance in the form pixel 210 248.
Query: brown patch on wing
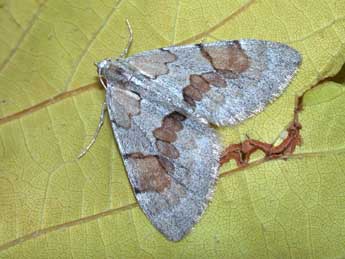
pixel 177 116
pixel 153 64
pixel 166 134
pixel 126 104
pixel 200 84
pixel 152 171
pixel 172 124
pixel 167 149
pixel 152 175
pixel 191 94
pixel 168 166
pixel 214 79
pixel 231 58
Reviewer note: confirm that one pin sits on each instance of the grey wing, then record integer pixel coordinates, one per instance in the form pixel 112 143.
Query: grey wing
pixel 171 159
pixel 224 82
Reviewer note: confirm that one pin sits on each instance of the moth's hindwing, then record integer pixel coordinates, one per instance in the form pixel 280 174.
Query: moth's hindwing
pixel 224 82
pixel 171 159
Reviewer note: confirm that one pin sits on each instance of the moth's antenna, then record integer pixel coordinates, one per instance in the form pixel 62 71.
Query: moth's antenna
pixel 130 39
pixel 93 140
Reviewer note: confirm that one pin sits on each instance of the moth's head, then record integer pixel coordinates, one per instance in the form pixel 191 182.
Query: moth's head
pixel 101 68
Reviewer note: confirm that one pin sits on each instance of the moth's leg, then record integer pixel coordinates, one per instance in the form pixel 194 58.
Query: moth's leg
pixel 93 140
pixel 130 39
pixel 101 78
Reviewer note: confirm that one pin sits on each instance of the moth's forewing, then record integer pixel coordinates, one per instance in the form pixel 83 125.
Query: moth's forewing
pixel 171 159
pixel 224 82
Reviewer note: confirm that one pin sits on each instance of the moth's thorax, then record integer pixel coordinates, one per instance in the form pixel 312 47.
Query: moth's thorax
pixel 115 71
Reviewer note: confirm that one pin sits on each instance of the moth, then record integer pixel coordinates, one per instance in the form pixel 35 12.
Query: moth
pixel 161 104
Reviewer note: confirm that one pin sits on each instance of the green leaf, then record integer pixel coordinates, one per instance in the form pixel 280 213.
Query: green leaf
pixel 54 205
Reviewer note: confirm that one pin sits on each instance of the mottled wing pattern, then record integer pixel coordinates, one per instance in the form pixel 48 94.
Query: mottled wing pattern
pixel 159 102
pixel 171 158
pixel 224 82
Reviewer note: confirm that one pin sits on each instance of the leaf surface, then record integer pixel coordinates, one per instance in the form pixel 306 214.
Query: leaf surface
pixel 54 205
